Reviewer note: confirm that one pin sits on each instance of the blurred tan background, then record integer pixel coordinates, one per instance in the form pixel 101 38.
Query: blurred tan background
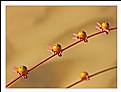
pixel 30 29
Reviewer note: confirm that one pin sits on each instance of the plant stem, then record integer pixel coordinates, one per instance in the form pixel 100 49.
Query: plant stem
pixel 42 62
pixel 13 81
pixel 31 69
pixel 97 73
pixel 56 54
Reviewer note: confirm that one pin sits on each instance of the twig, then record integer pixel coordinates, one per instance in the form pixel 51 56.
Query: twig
pixel 56 54
pixel 13 81
pixel 87 38
pixel 97 73
pixel 42 62
pixel 31 69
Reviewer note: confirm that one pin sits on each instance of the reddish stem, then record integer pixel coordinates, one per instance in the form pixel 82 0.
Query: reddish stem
pixel 71 45
pixel 14 80
pixel 56 54
pixel 113 28
pixel 100 72
pixel 32 68
pixel 42 62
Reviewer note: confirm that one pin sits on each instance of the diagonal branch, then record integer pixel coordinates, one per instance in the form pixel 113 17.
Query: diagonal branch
pixel 56 54
pixel 97 73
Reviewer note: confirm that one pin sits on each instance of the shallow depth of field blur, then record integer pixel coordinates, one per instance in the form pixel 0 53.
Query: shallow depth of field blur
pixel 30 29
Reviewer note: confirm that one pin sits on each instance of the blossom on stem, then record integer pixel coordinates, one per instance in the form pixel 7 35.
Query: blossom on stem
pixel 84 75
pixel 80 36
pixel 22 70
pixel 104 26
pixel 56 49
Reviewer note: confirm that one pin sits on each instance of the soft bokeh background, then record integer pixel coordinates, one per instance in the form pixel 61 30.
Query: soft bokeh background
pixel 30 29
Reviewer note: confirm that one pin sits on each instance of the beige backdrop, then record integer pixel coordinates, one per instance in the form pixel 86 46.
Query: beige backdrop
pixel 31 29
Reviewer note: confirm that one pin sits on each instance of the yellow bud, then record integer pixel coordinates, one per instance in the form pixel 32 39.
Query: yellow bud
pixel 22 70
pixel 84 74
pixel 105 25
pixel 56 48
pixel 82 35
